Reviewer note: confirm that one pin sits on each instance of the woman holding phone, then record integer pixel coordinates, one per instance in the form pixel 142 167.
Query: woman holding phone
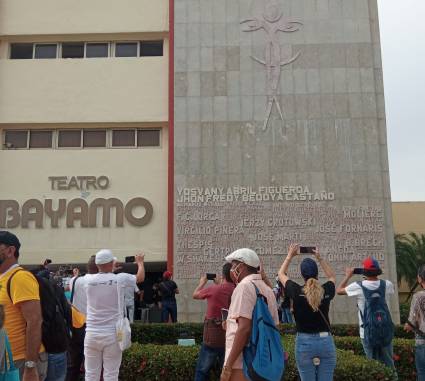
pixel 314 349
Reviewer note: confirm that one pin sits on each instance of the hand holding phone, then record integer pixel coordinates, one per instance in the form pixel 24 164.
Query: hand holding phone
pixel 211 276
pixel 358 271
pixel 307 249
pixel 130 259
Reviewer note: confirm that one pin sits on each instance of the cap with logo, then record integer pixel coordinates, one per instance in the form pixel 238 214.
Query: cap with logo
pixel 247 256
pixel 371 264
pixel 371 267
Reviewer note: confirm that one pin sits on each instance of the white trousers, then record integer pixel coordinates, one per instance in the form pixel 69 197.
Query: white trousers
pixel 102 349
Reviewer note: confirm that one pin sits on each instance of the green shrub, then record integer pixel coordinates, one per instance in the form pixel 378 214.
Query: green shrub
pixel 404 312
pixel 160 333
pixel 171 362
pixel 170 333
pixel 404 356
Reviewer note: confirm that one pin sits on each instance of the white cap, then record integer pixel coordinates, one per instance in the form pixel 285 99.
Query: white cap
pixel 247 256
pixel 103 256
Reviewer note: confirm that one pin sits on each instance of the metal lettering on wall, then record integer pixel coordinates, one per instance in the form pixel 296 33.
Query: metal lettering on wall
pixel 212 222
pixel 76 212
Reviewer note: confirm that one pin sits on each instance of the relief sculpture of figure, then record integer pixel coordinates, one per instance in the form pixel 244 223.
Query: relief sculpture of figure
pixel 272 22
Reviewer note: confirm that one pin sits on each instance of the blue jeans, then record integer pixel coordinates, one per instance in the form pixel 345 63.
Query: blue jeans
pixel 309 346
pixel 208 357
pixel 56 368
pixel 169 308
pixel 420 362
pixel 382 354
pixel 287 316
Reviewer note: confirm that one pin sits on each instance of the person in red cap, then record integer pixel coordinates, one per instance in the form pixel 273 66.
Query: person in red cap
pixel 168 290
pixel 371 272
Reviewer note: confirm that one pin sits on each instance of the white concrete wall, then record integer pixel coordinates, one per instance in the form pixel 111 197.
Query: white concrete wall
pixel 28 17
pixel 132 173
pixel 131 89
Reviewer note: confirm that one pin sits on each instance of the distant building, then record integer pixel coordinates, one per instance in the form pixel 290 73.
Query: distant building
pixel 409 217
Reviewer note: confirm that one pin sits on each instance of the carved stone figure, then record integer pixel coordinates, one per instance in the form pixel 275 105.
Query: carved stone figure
pixel 272 22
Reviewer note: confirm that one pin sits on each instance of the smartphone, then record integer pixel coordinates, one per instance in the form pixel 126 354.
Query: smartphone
pixel 130 259
pixel 211 276
pixel 358 271
pixel 307 249
pixel 224 314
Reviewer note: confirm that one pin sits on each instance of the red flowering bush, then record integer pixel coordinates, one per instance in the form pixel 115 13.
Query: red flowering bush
pixel 404 354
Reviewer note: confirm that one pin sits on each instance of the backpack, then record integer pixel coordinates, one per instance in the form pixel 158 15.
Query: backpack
pixel 55 310
pixel 377 323
pixel 263 357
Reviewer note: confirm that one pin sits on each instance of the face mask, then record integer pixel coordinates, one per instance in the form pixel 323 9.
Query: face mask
pixel 235 273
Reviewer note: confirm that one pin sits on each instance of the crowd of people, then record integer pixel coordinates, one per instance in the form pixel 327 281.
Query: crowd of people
pixel 54 339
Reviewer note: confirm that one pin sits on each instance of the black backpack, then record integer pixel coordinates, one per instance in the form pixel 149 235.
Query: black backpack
pixel 56 313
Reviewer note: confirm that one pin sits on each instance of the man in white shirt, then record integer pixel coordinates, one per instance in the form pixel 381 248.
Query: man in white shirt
pixel 79 301
pixel 129 301
pixel 103 293
pixel 371 271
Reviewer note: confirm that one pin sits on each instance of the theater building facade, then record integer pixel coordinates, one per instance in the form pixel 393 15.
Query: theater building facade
pixel 188 128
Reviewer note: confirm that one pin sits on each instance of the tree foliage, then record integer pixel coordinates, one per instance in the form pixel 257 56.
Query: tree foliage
pixel 410 254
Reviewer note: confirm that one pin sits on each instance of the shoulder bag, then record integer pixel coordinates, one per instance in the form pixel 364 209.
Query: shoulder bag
pixel 123 328
pixel 9 373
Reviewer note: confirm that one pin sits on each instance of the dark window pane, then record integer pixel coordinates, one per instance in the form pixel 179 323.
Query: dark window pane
pixel 45 51
pixel 151 48
pixel 40 139
pixel 73 50
pixel 16 139
pixel 71 138
pixel 94 138
pixel 97 50
pixel 21 51
pixel 123 138
pixel 148 138
pixel 126 49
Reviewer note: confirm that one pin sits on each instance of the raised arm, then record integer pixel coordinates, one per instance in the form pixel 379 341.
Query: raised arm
pixel 202 282
pixel 327 269
pixel 140 260
pixel 292 252
pixel 340 290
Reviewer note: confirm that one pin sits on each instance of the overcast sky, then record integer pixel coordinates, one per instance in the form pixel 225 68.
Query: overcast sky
pixel 402 25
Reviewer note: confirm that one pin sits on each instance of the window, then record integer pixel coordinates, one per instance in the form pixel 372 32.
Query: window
pixel 82 138
pixel 123 138
pixel 40 139
pixel 69 139
pixel 16 139
pixel 21 51
pixel 45 51
pixel 94 50
pixel 151 48
pixel 148 138
pixel 94 138
pixel 73 50
pixel 126 49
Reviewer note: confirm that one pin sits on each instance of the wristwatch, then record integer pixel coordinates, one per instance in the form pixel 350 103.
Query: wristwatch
pixel 30 364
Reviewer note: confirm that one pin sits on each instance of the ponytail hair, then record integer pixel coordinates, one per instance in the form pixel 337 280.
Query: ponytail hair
pixel 314 293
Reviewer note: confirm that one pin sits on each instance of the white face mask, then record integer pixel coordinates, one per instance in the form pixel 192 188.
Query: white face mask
pixel 235 273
